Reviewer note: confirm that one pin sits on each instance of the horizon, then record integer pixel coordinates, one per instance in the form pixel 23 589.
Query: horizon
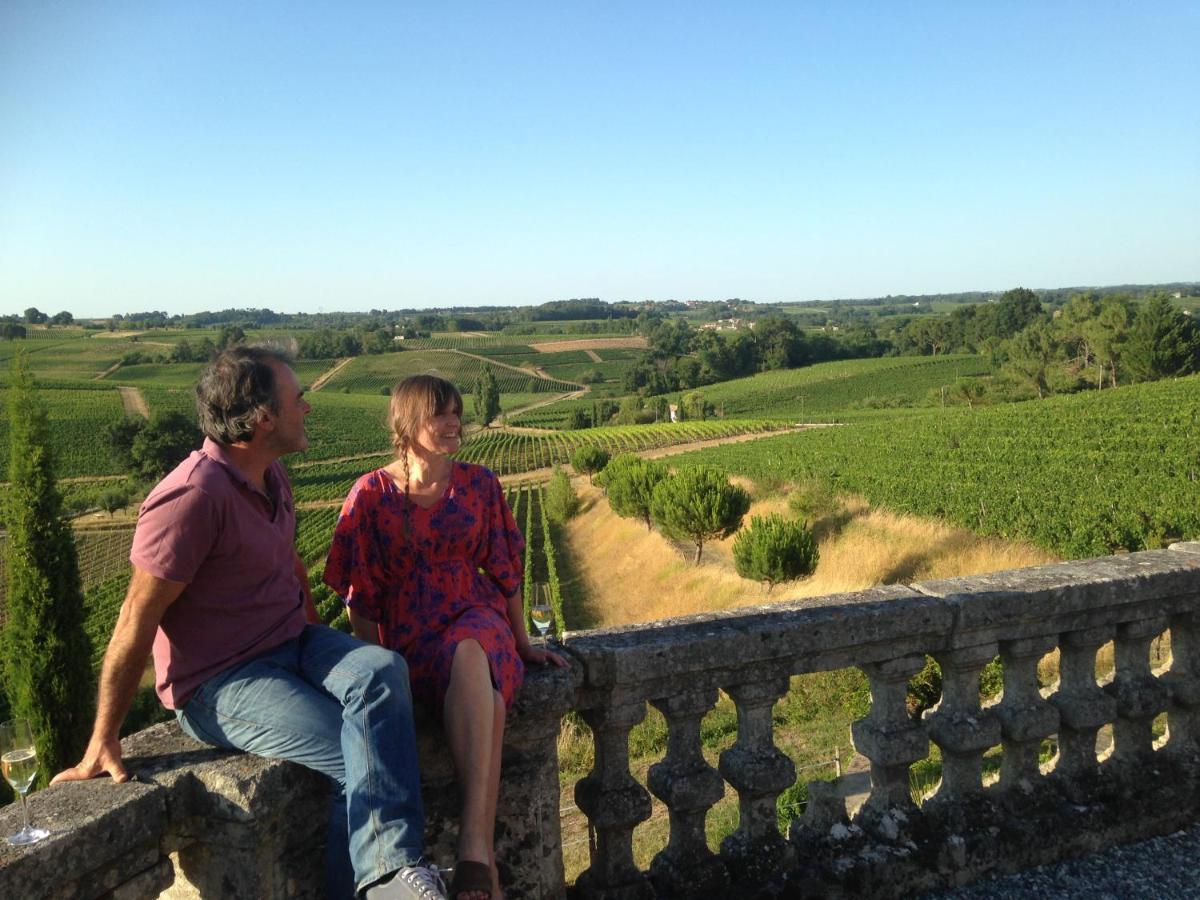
pixel 685 300
pixel 311 159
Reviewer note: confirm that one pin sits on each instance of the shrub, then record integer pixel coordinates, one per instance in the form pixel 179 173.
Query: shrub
pixel 813 499
pixel 698 503
pixel 561 501
pixel 774 549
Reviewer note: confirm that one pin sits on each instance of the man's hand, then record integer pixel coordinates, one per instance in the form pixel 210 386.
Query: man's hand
pixel 101 757
pixel 124 662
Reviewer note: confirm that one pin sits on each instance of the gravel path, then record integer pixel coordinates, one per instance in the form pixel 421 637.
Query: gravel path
pixel 1159 869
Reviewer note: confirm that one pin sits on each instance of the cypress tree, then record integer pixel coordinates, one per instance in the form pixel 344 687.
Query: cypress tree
pixel 46 660
pixel 487 397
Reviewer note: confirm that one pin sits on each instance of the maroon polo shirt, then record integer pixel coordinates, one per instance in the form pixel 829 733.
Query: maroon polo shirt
pixel 206 525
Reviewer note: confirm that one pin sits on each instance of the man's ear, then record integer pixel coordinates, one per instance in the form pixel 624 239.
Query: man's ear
pixel 266 421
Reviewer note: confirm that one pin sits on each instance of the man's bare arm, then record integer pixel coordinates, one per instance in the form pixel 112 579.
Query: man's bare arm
pixel 310 609
pixel 124 662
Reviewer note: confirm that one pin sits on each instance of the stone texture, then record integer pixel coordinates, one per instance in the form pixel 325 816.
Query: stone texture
pixel 200 822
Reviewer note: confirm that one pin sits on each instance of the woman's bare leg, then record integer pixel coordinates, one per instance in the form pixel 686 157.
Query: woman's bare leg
pixel 469 716
pixel 494 787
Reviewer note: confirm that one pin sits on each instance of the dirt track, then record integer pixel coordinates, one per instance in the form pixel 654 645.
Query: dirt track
pixel 134 402
pixel 636 343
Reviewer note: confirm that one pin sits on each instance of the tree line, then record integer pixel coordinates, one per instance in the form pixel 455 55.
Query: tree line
pixel 1090 340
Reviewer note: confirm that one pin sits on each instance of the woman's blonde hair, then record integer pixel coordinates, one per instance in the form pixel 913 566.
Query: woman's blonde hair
pixel 415 400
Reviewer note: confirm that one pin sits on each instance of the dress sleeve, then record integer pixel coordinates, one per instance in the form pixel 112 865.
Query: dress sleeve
pixel 503 549
pixel 353 569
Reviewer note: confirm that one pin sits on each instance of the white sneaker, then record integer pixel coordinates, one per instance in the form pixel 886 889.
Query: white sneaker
pixel 418 882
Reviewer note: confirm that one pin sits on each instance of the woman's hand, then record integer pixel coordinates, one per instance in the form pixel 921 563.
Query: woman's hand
pixel 541 656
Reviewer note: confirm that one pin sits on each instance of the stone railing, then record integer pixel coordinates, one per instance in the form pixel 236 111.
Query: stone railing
pixel 203 823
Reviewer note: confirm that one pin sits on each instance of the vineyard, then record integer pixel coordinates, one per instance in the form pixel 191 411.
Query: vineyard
pixel 377 374
pixel 507 453
pixel 185 375
pixel 511 453
pixel 77 417
pixel 1078 475
pixel 819 391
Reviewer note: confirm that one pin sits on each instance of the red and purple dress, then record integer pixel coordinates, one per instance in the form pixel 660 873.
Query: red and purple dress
pixel 448 581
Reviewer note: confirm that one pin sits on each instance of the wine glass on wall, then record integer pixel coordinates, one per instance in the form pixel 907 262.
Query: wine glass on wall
pixel 540 612
pixel 18 759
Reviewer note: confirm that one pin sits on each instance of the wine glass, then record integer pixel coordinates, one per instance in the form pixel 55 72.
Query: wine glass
pixel 540 612
pixel 18 759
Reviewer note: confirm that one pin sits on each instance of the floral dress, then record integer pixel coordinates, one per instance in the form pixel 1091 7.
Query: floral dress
pixel 447 582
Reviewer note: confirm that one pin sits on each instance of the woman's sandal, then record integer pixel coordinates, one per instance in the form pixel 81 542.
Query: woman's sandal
pixel 471 877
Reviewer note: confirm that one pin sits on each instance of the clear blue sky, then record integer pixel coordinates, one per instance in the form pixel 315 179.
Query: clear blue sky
pixel 302 156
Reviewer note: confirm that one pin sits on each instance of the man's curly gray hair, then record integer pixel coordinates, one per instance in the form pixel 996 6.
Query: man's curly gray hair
pixel 235 389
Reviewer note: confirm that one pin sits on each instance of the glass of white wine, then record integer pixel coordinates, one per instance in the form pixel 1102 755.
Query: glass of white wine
pixel 539 611
pixel 18 759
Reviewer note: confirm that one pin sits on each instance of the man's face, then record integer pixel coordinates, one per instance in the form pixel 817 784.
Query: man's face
pixel 287 432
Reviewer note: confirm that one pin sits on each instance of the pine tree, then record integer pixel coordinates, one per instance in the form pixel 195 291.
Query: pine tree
pixel 774 549
pixel 46 652
pixel 629 482
pixel 1163 342
pixel 698 503
pixel 588 460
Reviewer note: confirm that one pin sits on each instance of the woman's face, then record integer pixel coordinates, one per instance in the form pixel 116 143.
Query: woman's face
pixel 442 434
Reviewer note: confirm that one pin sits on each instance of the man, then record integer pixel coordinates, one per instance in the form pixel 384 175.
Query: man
pixel 220 594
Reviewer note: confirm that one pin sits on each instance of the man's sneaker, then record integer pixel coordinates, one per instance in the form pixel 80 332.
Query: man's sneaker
pixel 410 883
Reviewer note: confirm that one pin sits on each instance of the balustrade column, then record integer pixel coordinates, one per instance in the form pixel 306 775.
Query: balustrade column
pixel 1083 707
pixel 1026 719
pixel 1139 695
pixel 689 786
pixel 614 804
pixel 760 773
pixel 1183 682
pixel 888 736
pixel 957 724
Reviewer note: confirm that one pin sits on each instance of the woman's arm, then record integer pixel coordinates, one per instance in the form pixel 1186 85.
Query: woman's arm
pixel 364 629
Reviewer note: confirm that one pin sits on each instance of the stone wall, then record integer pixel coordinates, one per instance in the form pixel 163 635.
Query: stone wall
pixel 200 822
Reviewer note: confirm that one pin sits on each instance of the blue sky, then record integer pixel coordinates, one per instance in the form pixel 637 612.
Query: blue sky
pixel 312 156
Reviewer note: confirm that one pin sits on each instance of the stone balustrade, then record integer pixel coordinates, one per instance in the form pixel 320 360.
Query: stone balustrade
pixel 203 823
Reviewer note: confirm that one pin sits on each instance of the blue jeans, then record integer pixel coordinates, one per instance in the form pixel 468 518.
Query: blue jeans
pixel 328 701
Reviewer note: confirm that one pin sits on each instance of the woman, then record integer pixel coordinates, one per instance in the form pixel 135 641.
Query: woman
pixel 428 559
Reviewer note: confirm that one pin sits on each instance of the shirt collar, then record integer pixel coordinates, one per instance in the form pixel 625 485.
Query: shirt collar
pixel 219 454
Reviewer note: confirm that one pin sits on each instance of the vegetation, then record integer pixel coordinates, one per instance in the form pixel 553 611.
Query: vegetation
pixel 46 675
pixel 630 482
pixel 774 549
pixel 151 449
pixel 487 397
pixel 698 503
pixel 588 460
pixel 1080 475
pixel 561 501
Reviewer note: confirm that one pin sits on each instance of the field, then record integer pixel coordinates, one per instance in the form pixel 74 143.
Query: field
pixel 828 390
pixel 377 374
pixel 1079 475
pixel 77 417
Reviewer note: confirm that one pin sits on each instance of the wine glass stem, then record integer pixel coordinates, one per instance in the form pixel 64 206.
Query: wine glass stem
pixel 24 810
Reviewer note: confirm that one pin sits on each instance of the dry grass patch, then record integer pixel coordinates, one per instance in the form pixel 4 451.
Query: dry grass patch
pixel 633 575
